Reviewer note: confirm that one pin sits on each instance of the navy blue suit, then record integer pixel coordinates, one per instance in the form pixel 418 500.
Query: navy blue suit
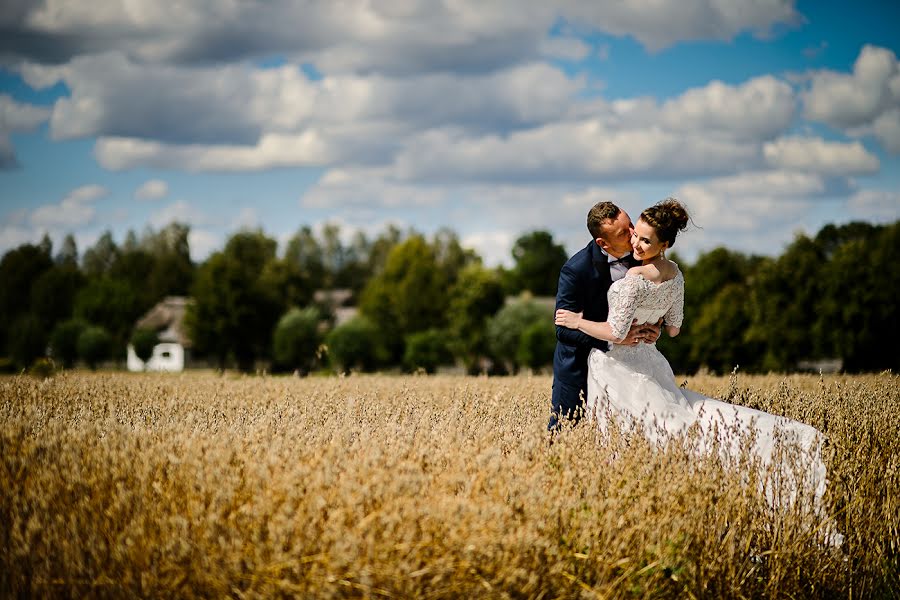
pixel 583 283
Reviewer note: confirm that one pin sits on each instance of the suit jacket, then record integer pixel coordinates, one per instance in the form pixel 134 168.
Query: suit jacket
pixel 583 283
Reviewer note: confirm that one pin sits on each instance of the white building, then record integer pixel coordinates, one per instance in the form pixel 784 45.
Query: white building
pixel 173 350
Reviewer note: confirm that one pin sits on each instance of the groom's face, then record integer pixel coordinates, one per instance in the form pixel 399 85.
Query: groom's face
pixel 616 236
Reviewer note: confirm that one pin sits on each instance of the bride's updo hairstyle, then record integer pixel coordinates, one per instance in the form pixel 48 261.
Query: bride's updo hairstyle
pixel 667 218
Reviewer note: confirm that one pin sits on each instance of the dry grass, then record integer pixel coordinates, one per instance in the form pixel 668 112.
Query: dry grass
pixel 202 485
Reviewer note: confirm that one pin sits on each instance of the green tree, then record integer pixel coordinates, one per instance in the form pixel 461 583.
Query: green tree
pixel 356 344
pixel 410 295
pixel 304 259
pixel 858 306
pixel 427 350
pixel 538 260
pixel 94 345
pixel 476 297
pixel 113 304
pixel 234 312
pixel 784 298
pixel 19 268
pixel 505 329
pixel 27 340
pixel 719 331
pixel 537 344
pixel 143 341
pixel 296 339
pixel 64 341
pixel 99 259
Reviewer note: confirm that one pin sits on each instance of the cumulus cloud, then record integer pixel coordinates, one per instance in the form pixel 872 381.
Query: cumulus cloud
pixel 864 102
pixel 357 35
pixel 819 156
pixel 153 189
pixel 182 212
pixel 75 210
pixel 16 117
pixel 880 205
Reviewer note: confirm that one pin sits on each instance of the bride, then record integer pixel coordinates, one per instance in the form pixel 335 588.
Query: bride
pixel 635 384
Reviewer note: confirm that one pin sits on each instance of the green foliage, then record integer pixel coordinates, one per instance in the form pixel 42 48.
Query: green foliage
pixel 505 329
pixel 19 269
pixel 410 295
pixel 719 332
pixel 7 366
pixel 234 312
pixel 477 296
pixel 113 304
pixel 42 368
pixel 94 345
pixel 27 340
pixel 537 344
pixel 426 350
pixel 296 339
pixel 64 341
pixel 538 262
pixel 356 344
pixel 144 341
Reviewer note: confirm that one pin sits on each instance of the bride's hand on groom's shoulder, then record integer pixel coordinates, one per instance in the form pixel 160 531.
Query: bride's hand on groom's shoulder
pixel 567 318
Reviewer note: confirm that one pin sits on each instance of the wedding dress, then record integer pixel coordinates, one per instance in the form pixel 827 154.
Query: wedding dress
pixel 636 386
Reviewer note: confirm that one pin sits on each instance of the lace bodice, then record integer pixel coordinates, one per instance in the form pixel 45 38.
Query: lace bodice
pixel 635 298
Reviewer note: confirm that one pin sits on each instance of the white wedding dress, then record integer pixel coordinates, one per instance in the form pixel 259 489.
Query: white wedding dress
pixel 635 385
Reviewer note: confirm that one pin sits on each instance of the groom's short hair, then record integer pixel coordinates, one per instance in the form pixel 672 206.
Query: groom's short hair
pixel 602 211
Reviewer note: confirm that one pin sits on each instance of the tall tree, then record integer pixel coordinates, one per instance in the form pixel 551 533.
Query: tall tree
pixel 410 295
pixel 100 258
pixel 538 260
pixel 476 297
pixel 234 313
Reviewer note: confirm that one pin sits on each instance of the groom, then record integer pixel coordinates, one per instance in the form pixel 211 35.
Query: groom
pixel 583 283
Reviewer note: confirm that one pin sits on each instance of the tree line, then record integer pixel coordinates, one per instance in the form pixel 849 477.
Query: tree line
pixel 425 301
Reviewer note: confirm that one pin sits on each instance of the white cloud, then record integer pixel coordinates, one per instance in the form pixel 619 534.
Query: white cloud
pixel 153 189
pixel 565 48
pixel 75 210
pixel 494 247
pixel 757 109
pixel 865 102
pixel 16 117
pixel 880 205
pixel 182 212
pixel 819 156
pixel 203 243
pixel 247 218
pixel 409 36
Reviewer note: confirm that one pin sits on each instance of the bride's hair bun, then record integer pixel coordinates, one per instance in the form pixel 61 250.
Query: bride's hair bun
pixel 668 218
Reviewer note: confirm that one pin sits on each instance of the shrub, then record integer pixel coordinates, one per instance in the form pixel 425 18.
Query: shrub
pixel 42 368
pixel 94 345
pixel 27 340
pixel 356 344
pixel 64 341
pixel 144 341
pixel 296 339
pixel 426 350
pixel 505 329
pixel 537 344
pixel 7 366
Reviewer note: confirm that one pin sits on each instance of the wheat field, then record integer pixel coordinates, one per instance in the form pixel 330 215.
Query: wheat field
pixel 208 485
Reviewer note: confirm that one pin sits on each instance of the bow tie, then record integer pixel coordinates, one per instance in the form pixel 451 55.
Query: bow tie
pixel 625 260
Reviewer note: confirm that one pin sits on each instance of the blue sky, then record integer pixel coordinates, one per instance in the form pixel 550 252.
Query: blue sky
pixel 491 118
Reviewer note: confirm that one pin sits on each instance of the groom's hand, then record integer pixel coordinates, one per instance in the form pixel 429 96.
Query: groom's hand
pixel 635 335
pixel 651 331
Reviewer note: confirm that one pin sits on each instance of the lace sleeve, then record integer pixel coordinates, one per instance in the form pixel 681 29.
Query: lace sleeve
pixel 675 315
pixel 623 304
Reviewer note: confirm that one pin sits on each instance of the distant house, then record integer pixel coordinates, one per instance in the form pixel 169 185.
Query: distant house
pixel 173 350
pixel 339 301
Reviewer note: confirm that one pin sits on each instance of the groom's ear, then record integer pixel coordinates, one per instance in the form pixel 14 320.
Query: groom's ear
pixel 601 242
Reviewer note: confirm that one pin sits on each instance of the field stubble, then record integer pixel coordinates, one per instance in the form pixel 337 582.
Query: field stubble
pixel 205 485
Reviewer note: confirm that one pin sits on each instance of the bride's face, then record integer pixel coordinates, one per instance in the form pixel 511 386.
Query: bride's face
pixel 645 243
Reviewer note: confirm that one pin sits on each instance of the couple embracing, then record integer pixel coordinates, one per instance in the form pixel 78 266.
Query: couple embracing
pixel 615 298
